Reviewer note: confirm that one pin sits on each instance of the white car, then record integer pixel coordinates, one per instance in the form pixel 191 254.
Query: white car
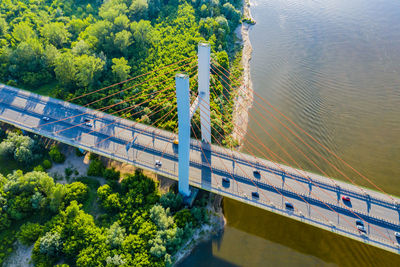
pixel 46 118
pixel 158 163
pixel 397 234
pixel 88 124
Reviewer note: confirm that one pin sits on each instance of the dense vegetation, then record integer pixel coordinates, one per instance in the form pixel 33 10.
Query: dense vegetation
pixel 26 152
pixel 132 227
pixel 70 47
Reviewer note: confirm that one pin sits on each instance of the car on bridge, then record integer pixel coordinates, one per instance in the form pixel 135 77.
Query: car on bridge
pixel 346 198
pixel 176 142
pixel 86 120
pixel 397 234
pixel 89 124
pixel 158 163
pixel 289 205
pixel 359 222
pixel 361 228
pixel 256 173
pixel 255 194
pixel 46 118
pixel 226 182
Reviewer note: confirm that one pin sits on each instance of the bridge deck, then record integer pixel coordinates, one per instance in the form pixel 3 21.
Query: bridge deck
pixel 25 110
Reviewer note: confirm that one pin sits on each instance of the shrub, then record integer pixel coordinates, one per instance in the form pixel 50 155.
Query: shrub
pixel 183 217
pixel 111 174
pixel 50 244
pixel 76 191
pixel 18 146
pixel 172 201
pixel 47 164
pixel 29 233
pixel 96 168
pixel 56 155
pixel 68 171
pixel 39 168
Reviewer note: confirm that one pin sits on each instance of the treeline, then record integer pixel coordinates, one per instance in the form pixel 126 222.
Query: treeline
pixel 85 45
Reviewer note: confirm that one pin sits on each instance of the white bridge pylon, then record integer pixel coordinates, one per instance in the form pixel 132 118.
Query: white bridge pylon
pixel 185 113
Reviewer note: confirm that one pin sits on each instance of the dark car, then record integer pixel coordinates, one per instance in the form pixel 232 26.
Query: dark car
pixel 86 120
pixel 256 173
pixel 289 206
pixel 255 194
pixel 225 181
pixel 359 222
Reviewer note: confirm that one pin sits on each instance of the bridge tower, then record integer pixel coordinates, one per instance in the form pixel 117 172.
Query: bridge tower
pixel 183 103
pixel 185 113
pixel 204 90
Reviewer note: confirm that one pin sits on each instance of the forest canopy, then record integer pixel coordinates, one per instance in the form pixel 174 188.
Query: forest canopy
pixel 71 47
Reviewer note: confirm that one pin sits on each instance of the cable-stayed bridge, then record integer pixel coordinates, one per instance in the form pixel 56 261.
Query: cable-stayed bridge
pixel 292 192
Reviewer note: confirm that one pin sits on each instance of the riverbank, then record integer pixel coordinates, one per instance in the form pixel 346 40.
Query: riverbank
pixel 244 95
pixel 205 232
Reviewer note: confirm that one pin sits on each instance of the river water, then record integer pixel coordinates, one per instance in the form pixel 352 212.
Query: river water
pixel 333 67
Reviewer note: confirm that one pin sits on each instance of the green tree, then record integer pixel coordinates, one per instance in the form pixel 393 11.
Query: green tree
pixel 143 32
pixel 120 68
pixel 46 164
pixel 172 201
pixel 65 69
pixel 22 32
pixel 51 244
pixel 56 155
pixel 231 13
pixel 183 217
pixel 38 201
pixel 138 9
pixel 122 41
pixel 3 27
pixel 88 69
pixel 115 235
pixel 19 146
pixel 29 233
pixel 55 33
pixel 111 174
pixel 160 217
pixel 96 168
pixel 57 197
pixel 76 191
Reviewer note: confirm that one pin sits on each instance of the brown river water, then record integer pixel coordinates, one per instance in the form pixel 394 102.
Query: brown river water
pixel 333 67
